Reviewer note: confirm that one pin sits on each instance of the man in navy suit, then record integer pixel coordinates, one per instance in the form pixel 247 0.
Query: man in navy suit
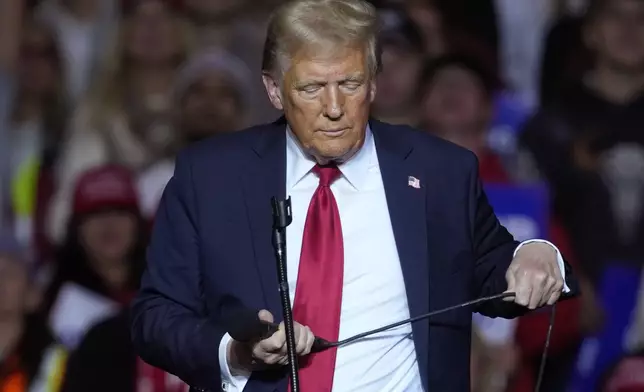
pixel 388 222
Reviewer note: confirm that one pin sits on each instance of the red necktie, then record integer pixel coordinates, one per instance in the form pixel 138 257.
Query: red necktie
pixel 318 293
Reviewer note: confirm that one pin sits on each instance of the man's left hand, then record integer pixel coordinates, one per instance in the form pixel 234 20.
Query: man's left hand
pixel 534 276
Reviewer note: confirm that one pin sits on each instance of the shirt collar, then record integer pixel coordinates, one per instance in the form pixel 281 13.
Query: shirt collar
pixel 354 170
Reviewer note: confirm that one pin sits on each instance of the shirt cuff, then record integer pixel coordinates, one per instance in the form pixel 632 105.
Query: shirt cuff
pixel 229 382
pixel 560 260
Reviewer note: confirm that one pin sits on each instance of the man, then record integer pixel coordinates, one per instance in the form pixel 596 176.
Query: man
pixel 387 222
pixel 402 62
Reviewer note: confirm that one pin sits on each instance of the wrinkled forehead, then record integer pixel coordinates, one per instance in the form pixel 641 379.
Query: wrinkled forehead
pixel 328 66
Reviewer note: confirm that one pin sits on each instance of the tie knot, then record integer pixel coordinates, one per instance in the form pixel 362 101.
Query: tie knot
pixel 327 173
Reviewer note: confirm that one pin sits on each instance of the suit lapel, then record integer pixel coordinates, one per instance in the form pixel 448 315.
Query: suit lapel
pixel 407 201
pixel 265 178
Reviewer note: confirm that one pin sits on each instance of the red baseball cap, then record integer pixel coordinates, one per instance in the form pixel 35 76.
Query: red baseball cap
pixel 105 187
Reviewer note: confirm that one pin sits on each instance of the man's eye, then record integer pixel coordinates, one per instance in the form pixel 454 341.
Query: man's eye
pixel 311 89
pixel 351 86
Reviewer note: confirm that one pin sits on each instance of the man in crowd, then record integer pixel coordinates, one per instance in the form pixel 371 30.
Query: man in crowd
pixel 388 222
pixel 457 106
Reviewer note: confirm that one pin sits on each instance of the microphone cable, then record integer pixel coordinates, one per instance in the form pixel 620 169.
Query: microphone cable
pixel 247 327
pixel 544 354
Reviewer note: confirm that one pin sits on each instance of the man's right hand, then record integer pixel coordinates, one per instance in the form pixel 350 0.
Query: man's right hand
pixel 248 357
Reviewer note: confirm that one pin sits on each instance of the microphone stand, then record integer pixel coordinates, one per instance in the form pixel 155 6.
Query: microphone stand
pixel 281 219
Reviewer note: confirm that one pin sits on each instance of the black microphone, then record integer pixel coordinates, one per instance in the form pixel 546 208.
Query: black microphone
pixel 245 325
pixel 281 219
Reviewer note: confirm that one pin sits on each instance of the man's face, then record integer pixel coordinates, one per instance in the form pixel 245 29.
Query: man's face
pixel 326 102
pixel 398 81
pixel 211 106
pixel 617 34
pixel 14 284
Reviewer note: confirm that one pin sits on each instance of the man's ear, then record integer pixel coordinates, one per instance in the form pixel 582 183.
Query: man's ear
pixel 273 91
pixel 372 90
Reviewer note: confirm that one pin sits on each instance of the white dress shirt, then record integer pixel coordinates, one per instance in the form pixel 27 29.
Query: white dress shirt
pixel 374 289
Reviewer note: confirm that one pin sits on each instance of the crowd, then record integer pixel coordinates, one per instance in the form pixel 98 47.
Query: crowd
pixel 97 97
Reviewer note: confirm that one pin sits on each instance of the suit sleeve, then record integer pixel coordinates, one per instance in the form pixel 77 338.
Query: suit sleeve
pixel 494 249
pixel 169 327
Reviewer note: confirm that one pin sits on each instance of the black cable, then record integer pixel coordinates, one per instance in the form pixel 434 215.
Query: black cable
pixel 544 354
pixel 424 316
pixel 249 327
pixel 546 346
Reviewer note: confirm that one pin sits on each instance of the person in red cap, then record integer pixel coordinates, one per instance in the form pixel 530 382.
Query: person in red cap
pixel 104 253
pixel 101 260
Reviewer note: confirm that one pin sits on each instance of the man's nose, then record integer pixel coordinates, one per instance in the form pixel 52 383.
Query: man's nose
pixel 333 103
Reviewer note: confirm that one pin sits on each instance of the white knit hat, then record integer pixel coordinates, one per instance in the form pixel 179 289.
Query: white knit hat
pixel 199 64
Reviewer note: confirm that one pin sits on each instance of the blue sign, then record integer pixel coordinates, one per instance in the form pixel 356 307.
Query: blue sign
pixel 523 209
pixel 509 117
pixel 618 292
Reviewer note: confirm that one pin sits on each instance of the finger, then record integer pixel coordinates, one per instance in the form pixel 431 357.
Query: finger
pixel 554 297
pixel 549 290
pixel 511 279
pixel 283 360
pixel 556 292
pixel 523 290
pixel 265 316
pixel 274 359
pixel 275 343
pixel 301 337
pixel 538 289
pixel 310 339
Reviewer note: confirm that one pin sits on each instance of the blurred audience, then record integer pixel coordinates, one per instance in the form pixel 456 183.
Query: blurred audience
pixel 588 142
pixel 105 361
pixel 625 375
pixel 98 96
pixel 429 19
pixel 210 96
pixel 127 117
pixel 402 59
pixel 224 24
pixel 102 258
pixel 83 28
pixel 457 106
pixel 30 359
pixel 36 124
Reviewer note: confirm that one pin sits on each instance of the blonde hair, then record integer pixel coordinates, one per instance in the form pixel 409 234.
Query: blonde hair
pixel 328 25
pixel 106 95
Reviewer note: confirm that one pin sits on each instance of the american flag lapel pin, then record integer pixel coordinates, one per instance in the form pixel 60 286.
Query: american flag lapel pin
pixel 413 182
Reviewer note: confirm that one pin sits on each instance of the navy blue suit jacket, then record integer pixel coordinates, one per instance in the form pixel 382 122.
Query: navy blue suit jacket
pixel 211 251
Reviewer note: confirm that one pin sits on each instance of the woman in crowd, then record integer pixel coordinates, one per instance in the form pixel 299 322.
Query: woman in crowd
pixel 127 117
pixel 30 359
pixel 102 259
